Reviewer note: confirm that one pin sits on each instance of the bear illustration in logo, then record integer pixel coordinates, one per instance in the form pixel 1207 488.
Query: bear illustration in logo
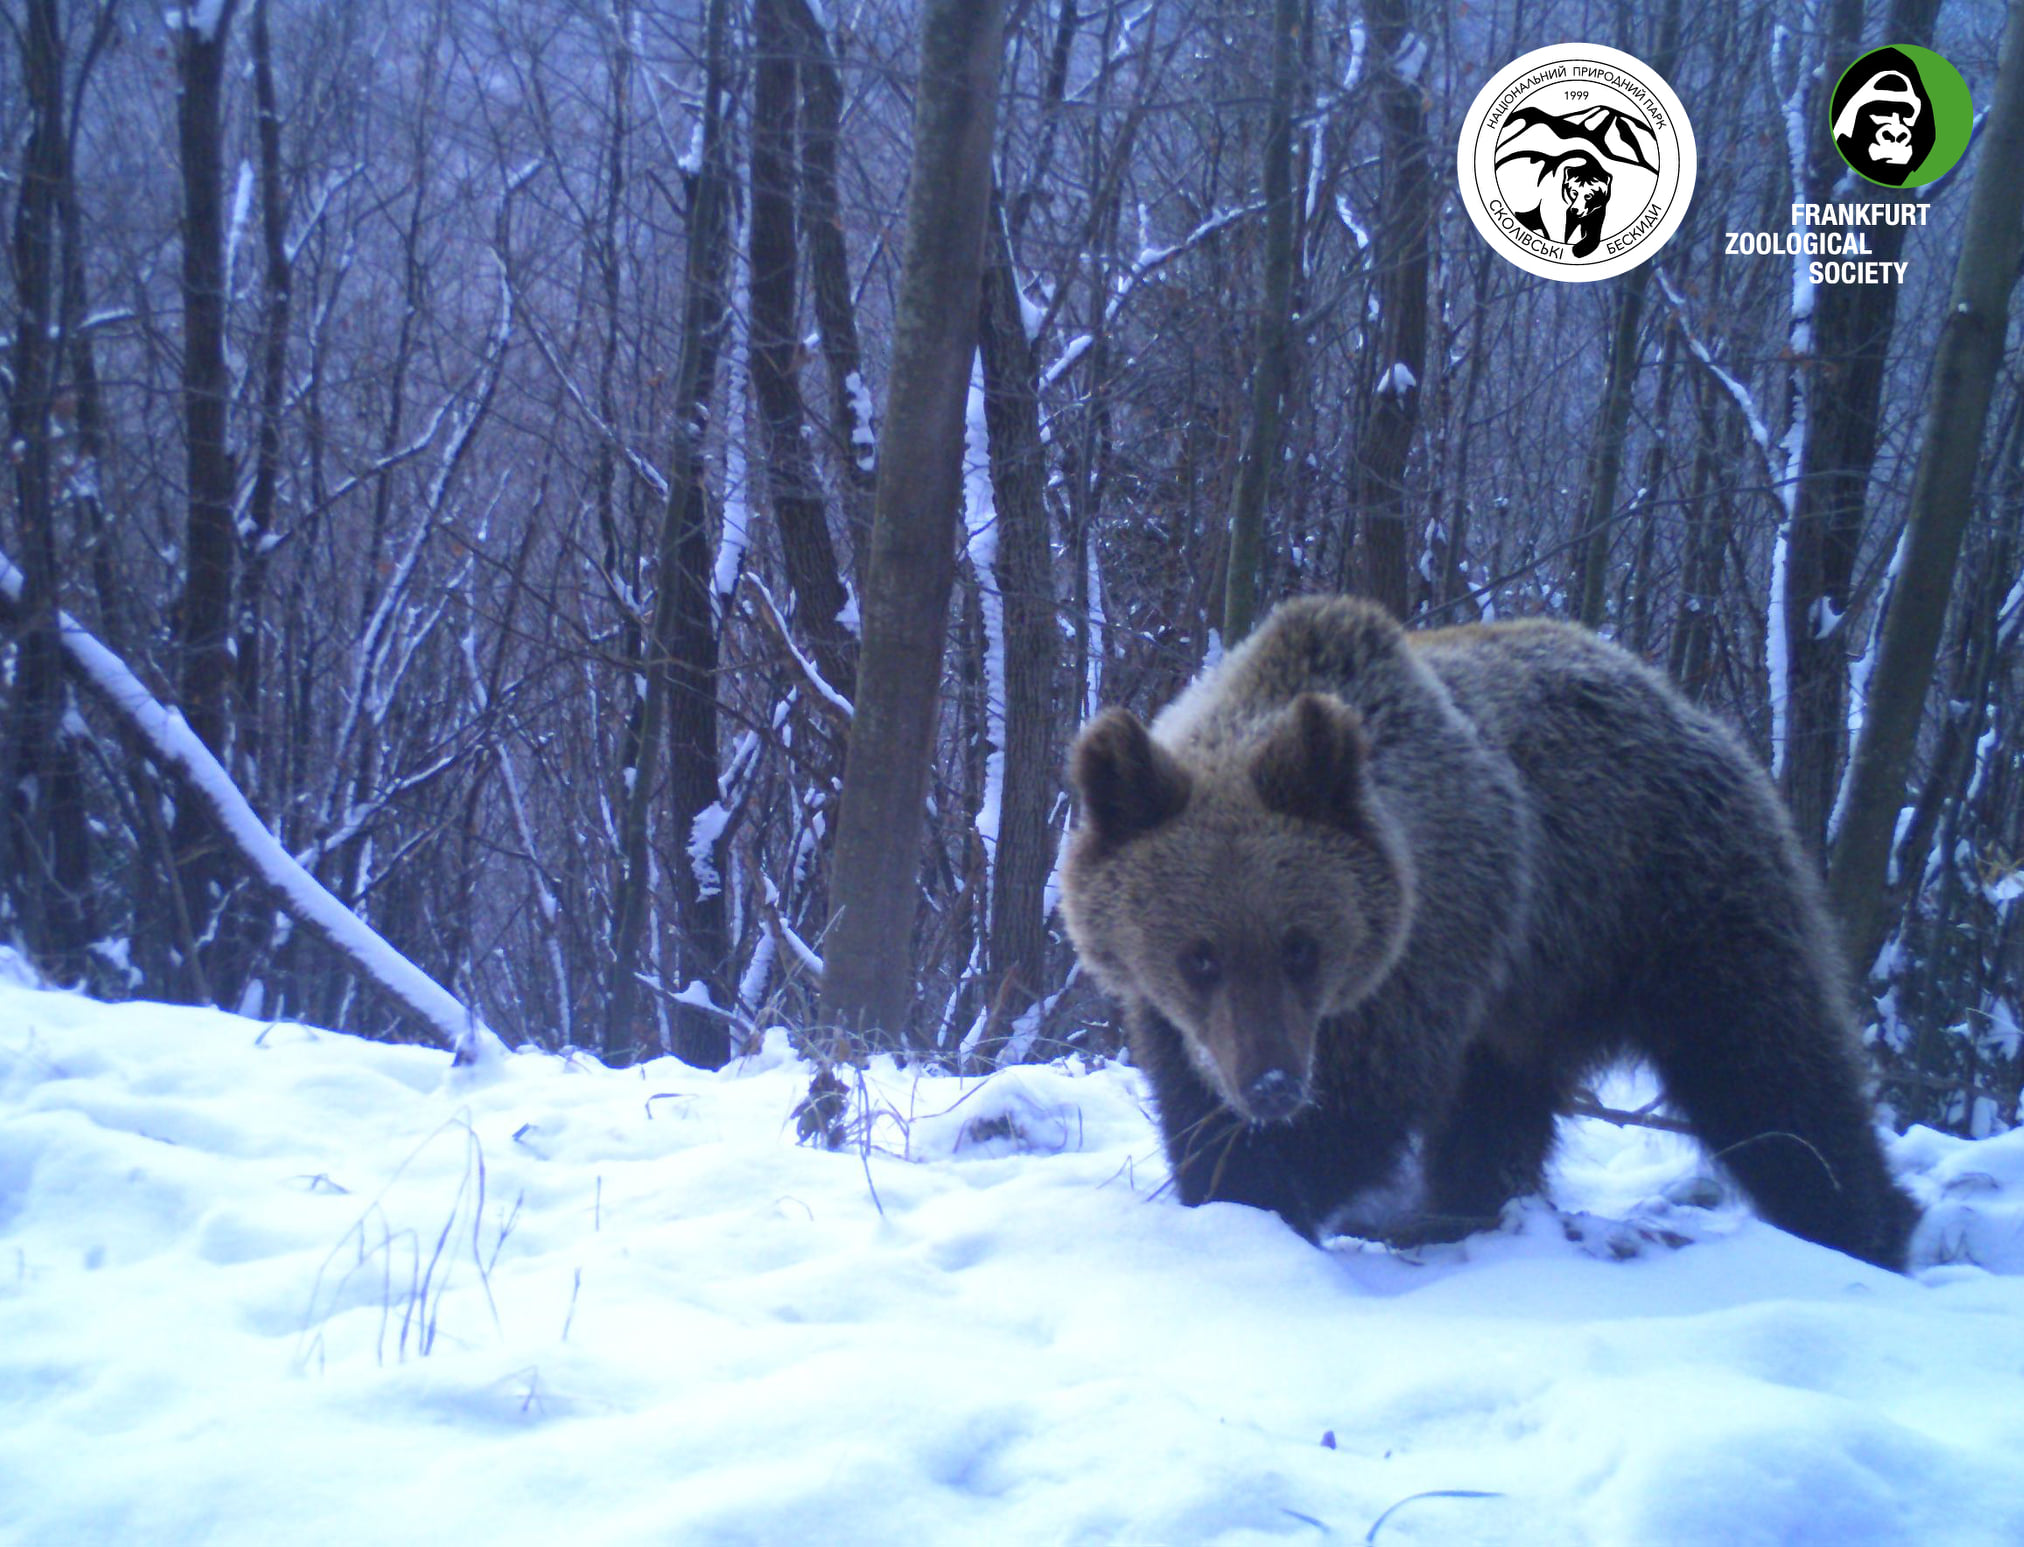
pixel 1883 117
pixel 1558 173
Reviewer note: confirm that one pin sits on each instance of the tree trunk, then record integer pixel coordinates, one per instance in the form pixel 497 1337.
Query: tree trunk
pixel 1634 600
pixel 1964 373
pixel 1606 460
pixel 1394 410
pixel 1852 329
pixel 44 859
pixel 260 508
pixel 852 424
pixel 1016 953
pixel 906 603
pixel 812 571
pixel 1269 373
pixel 680 667
pixel 204 615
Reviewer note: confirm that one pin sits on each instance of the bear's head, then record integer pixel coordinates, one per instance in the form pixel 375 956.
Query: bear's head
pixel 1245 898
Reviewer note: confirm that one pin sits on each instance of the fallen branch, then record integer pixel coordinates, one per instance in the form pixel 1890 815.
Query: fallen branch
pixel 162 729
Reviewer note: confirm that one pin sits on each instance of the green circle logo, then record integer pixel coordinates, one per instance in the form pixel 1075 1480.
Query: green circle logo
pixel 1900 116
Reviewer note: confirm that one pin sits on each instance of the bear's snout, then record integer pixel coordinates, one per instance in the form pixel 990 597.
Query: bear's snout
pixel 1274 1096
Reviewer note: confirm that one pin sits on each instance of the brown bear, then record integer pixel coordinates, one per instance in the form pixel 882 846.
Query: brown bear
pixel 1376 902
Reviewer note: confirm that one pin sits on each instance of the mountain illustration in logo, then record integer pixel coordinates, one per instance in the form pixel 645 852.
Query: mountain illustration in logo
pixel 1559 172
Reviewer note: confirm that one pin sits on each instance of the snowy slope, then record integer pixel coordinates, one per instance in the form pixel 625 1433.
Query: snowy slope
pixel 241 1300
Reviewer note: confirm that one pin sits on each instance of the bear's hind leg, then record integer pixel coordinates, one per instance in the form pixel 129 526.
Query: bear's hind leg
pixel 1765 1075
pixel 1492 1145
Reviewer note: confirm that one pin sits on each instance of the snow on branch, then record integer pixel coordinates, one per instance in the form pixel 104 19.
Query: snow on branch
pixel 764 611
pixel 1149 261
pixel 169 738
pixel 637 460
pixel 782 934
pixel 1782 460
pixel 1760 434
pixel 1153 258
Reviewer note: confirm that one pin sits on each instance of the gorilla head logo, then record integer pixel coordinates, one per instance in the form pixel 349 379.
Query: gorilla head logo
pixel 1558 172
pixel 1883 117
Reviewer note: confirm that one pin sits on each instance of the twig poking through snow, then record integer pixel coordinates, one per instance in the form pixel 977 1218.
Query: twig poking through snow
pixel 1431 1493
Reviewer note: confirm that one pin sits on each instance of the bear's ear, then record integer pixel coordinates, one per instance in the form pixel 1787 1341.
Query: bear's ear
pixel 1311 765
pixel 1127 782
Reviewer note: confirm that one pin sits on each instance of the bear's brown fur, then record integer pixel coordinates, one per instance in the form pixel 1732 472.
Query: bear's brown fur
pixel 1375 903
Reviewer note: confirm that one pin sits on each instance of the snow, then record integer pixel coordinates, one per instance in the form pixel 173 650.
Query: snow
pixel 847 616
pixel 697 994
pixel 203 18
pixel 1317 166
pixel 1799 348
pixel 1985 750
pixel 1077 347
pixel 1782 463
pixel 1350 223
pixel 264 1283
pixel 1777 662
pixel 1411 57
pixel 705 833
pixel 2010 614
pixel 242 202
pixel 863 422
pixel 801 951
pixel 737 504
pixel 752 986
pixel 1032 315
pixel 1099 632
pixel 1151 259
pixel 1858 682
pixel 980 525
pixel 1398 379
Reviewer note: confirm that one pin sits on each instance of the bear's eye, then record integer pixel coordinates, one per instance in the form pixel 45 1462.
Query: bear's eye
pixel 1201 967
pixel 1299 955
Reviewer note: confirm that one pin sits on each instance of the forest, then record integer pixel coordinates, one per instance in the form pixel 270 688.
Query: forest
pixel 468 425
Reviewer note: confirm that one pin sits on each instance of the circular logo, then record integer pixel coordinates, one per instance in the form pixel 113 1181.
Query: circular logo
pixel 1900 115
pixel 1576 162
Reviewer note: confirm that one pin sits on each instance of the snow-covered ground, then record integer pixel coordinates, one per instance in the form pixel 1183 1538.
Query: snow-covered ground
pixel 265 1284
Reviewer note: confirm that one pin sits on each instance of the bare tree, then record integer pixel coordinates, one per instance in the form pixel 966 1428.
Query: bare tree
pixel 1016 953
pixel 204 619
pixel 1964 374
pixel 852 430
pixel 906 602
pixel 680 693
pixel 1852 328
pixel 790 467
pixel 1272 366
pixel 250 645
pixel 1391 413
pixel 44 853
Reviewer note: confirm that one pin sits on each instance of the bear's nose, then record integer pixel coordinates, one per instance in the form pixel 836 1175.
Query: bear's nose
pixel 1273 1095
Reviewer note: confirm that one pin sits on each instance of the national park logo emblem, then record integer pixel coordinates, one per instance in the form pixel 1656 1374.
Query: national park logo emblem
pixel 1900 116
pixel 1576 162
